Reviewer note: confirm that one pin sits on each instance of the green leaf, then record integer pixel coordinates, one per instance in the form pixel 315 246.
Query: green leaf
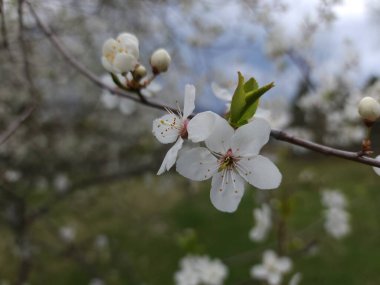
pixel 250 85
pixel 238 101
pixel 252 102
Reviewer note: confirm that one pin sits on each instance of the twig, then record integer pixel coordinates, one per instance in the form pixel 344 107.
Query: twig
pixel 16 124
pixel 278 135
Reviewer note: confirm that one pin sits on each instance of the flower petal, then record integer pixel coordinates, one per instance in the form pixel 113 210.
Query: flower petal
pixel 260 172
pixel 170 157
pixel 259 272
pixel 124 62
pixel 166 129
pixel 197 164
pixel 201 126
pixel 250 138
pixel 284 264
pixel 269 258
pixel 219 139
pixel 189 105
pixel 220 92
pixel 227 189
pixel 127 107
pixel 377 169
pixel 109 100
pixel 106 64
pixel 274 278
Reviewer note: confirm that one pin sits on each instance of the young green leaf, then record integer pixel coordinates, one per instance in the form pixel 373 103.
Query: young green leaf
pixel 238 100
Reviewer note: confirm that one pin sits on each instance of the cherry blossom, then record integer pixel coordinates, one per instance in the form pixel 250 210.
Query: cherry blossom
pixel 231 158
pixel 263 223
pixel 175 128
pixel 272 269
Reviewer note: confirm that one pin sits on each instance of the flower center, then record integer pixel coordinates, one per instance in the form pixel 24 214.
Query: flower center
pixel 227 161
pixel 183 132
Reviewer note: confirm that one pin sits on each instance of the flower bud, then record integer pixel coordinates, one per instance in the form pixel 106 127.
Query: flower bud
pixel 369 109
pixel 140 71
pixel 160 61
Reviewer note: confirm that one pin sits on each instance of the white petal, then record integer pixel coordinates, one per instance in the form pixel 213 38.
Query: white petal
pixel 377 169
pixel 170 157
pixel 108 100
pixel 295 280
pixel 269 258
pixel 189 105
pixel 124 62
pixel 250 138
pixel 227 189
pixel 106 64
pixel 127 37
pixel 110 46
pixel 274 278
pixel 260 172
pixel 219 139
pixel 201 126
pixel 284 264
pixel 221 93
pixel 166 129
pixel 127 107
pixel 197 164
pixel 259 271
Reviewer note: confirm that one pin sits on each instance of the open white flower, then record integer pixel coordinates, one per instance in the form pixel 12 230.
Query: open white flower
pixel 337 222
pixel 172 128
pixel 263 223
pixel 231 157
pixel 333 199
pixel 120 55
pixel 272 268
pixel 200 270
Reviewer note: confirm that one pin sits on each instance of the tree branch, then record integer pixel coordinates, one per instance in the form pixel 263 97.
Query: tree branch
pixel 278 135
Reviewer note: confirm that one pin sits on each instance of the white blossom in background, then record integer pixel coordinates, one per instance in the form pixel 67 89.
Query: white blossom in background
pixel 263 223
pixel 222 94
pixel 306 175
pixel 120 55
pixel 111 101
pixel 337 219
pixel 101 241
pixel 231 158
pixel 272 269
pixel 67 233
pixel 296 279
pixel 200 270
pixel 12 175
pixel 61 183
pixel 97 281
pixel 174 128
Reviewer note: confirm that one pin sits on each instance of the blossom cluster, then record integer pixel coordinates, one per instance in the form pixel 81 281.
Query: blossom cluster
pixel 263 223
pixel 200 270
pixel 230 156
pixel 336 217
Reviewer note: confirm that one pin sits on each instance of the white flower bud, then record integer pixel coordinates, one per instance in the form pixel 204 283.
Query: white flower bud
pixel 369 109
pixel 140 71
pixel 160 61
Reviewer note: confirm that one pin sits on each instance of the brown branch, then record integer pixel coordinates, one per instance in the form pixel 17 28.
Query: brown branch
pixel 278 135
pixel 16 124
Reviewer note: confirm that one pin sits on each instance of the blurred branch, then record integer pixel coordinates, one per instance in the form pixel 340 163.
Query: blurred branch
pixel 4 31
pixel 98 180
pixel 25 51
pixel 278 135
pixel 16 124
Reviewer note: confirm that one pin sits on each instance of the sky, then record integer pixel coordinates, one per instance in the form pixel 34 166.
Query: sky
pixel 353 33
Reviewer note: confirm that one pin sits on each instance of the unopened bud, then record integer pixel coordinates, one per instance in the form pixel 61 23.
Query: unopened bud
pixel 160 61
pixel 139 72
pixel 369 109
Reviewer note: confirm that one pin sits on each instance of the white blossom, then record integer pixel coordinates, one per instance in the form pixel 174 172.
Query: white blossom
pixel 174 128
pixel 337 219
pixel 67 233
pixel 160 60
pixel 263 223
pixel 97 281
pixel 120 55
pixel 12 175
pixel 61 183
pixel 272 269
pixel 296 279
pixel 200 270
pixel 231 158
pixel 111 101
pixel 369 109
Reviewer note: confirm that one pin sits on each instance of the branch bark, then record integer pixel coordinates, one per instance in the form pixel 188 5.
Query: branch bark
pixel 276 134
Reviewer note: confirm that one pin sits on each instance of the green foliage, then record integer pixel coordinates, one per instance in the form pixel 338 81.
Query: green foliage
pixel 246 100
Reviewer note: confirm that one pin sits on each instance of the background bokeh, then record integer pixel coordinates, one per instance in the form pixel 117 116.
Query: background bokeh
pixel 80 202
